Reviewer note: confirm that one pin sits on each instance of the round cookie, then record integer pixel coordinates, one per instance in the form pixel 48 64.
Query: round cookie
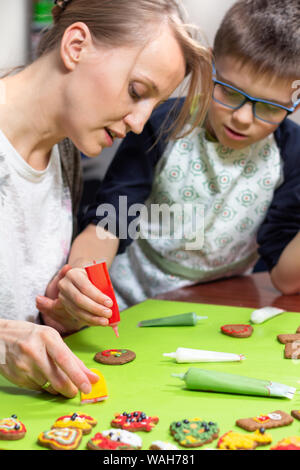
pixel 194 432
pixel 237 331
pixel 114 356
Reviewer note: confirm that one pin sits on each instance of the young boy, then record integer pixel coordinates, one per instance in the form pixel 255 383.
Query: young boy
pixel 241 166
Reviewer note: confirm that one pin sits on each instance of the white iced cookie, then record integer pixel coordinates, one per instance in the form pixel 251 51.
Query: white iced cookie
pixel 160 445
pixel 265 313
pixel 124 436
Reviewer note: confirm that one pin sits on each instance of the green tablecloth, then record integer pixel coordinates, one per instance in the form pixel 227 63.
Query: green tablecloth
pixel 146 383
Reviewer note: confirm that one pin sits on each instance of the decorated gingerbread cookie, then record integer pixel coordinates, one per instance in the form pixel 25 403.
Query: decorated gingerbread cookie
pixel 135 421
pixel 272 420
pixel 292 350
pixel 237 331
pixel 11 429
pixel 115 356
pixel 237 441
pixel 60 439
pixel 115 439
pixel 288 443
pixel 194 432
pixel 76 420
pixel 160 445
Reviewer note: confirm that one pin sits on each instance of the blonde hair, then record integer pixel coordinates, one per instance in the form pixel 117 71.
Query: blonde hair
pixel 118 22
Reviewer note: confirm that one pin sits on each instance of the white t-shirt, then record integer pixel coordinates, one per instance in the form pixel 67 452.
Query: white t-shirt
pixel 35 230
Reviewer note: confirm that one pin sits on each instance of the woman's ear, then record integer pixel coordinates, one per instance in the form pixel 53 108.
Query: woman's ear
pixel 75 41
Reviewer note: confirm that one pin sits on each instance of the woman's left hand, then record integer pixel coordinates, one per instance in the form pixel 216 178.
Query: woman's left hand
pixel 52 309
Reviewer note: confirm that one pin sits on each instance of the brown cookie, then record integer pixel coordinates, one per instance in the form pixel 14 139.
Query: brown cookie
pixel 284 339
pixel 296 414
pixel 237 331
pixel 115 356
pixel 275 419
pixel 292 350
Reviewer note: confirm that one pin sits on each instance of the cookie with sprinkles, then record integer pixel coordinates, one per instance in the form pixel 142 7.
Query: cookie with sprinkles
pixel 194 432
pixel 76 420
pixel 135 421
pixel 115 356
pixel 115 439
pixel 11 429
pixel 60 439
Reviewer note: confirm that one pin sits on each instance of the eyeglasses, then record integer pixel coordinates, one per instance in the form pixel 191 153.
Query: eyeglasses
pixel 267 111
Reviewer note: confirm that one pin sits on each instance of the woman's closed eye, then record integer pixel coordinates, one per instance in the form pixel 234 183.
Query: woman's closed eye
pixel 133 92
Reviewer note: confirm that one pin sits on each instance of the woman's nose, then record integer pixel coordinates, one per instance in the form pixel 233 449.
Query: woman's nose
pixel 137 118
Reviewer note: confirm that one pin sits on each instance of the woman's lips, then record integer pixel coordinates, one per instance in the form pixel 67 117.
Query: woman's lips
pixel 233 134
pixel 109 138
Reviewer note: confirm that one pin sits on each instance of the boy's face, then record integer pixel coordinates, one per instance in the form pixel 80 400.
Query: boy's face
pixel 239 128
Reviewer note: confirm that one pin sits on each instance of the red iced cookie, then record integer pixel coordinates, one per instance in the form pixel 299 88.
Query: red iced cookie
pixel 237 331
pixel 135 421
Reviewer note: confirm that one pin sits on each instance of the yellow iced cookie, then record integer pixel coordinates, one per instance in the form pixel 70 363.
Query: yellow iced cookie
pixel 99 390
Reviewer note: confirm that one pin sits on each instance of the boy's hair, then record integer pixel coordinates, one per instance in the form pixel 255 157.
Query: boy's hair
pixel 264 34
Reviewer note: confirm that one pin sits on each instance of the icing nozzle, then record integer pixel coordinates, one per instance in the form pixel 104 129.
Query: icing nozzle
pixel 179 376
pixel 115 328
pixel 172 354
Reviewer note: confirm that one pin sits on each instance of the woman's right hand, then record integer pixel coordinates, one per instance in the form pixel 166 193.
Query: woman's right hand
pixel 34 355
pixel 73 301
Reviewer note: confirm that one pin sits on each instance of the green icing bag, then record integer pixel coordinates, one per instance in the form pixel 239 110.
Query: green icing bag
pixel 184 319
pixel 211 381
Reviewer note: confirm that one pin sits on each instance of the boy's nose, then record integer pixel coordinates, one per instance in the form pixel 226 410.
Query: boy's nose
pixel 244 115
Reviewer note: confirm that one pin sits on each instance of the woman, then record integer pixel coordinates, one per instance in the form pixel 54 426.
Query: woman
pixel 102 68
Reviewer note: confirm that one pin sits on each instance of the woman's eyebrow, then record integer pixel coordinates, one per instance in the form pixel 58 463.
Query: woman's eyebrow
pixel 150 83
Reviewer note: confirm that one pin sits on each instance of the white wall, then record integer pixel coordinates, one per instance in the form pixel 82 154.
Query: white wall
pixel 14 32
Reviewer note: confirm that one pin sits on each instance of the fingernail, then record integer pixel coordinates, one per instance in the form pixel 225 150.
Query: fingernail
pixel 85 388
pixel 108 302
pixel 107 310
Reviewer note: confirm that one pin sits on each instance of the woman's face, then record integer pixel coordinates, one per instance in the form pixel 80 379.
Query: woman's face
pixel 111 91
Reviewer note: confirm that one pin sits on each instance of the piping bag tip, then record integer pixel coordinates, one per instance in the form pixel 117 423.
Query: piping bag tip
pixel 115 328
pixel 179 376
